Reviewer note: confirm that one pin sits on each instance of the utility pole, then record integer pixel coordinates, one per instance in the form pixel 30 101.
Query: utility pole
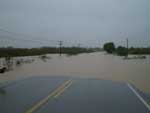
pixel 127 46
pixel 79 45
pixel 60 47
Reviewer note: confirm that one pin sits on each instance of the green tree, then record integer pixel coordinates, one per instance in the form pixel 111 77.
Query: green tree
pixel 109 47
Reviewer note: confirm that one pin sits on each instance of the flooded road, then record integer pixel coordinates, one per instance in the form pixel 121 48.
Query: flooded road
pixel 93 65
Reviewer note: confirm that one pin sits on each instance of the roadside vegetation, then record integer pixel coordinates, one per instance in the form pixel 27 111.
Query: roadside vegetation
pixel 13 52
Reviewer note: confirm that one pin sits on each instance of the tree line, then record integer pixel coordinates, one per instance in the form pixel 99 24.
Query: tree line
pixel 124 51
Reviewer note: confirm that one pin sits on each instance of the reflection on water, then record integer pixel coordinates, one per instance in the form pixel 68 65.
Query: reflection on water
pixel 93 65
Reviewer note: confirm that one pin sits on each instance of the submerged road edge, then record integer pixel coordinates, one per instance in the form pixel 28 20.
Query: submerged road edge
pixel 138 96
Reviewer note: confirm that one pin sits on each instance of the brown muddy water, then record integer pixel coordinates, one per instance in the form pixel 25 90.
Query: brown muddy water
pixel 93 65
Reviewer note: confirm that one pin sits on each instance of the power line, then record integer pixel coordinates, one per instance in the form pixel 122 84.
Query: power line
pixel 23 35
pixel 31 36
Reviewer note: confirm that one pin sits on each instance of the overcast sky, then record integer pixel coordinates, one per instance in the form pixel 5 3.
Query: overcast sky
pixel 89 22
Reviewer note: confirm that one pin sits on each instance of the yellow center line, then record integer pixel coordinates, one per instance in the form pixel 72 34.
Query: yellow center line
pixel 55 93
pixel 61 91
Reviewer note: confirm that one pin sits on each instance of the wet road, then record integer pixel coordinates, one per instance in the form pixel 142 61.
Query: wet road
pixel 70 95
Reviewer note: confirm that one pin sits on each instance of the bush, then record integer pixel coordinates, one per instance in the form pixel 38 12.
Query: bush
pixel 122 51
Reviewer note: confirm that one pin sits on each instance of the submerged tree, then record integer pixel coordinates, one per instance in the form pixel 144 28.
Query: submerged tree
pixel 109 47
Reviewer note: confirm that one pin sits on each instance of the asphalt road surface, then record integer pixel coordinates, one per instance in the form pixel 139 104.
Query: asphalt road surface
pixel 70 95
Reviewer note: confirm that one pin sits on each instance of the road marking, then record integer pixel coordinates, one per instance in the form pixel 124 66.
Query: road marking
pixel 63 90
pixel 139 97
pixel 60 89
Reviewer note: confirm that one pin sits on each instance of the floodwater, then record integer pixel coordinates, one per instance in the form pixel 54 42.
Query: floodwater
pixel 92 65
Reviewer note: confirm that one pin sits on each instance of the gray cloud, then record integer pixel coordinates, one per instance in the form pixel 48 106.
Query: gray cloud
pixel 90 22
